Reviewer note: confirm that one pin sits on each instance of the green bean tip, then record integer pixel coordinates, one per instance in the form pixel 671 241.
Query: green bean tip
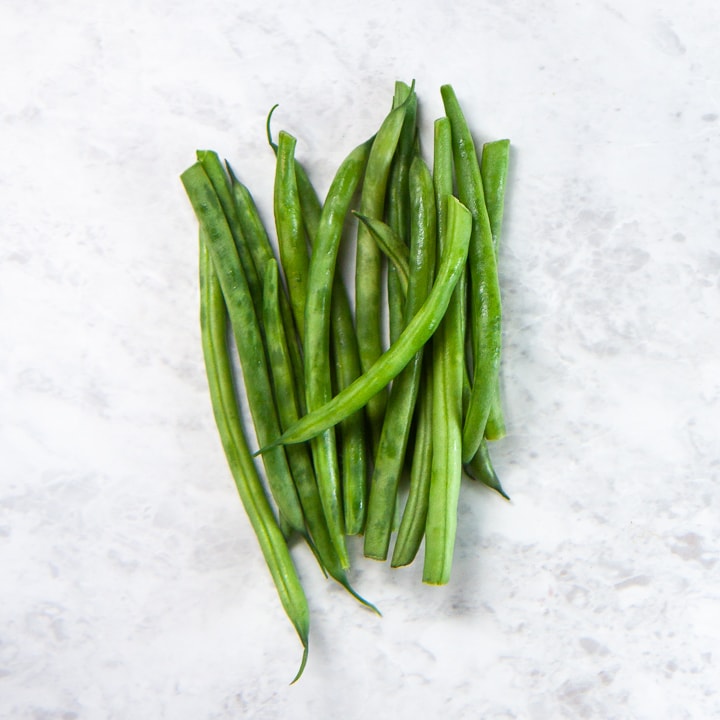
pixel 268 131
pixel 303 663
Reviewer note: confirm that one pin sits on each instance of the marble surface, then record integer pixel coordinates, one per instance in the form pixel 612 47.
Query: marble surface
pixel 130 583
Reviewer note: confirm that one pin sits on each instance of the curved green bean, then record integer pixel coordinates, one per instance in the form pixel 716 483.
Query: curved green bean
pixel 485 310
pixel 298 455
pixel 368 261
pixel 494 161
pixel 309 200
pixel 493 170
pixel 248 337
pixel 286 400
pixel 213 321
pixel 347 364
pixel 414 516
pixel 398 415
pixel 447 412
pixel 480 468
pixel 289 225
pixel 317 335
pixel 418 331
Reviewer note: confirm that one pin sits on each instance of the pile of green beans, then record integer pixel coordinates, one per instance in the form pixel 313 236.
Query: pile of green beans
pixel 366 420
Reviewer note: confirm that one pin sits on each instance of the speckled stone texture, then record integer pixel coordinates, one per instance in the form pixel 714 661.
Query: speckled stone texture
pixel 131 585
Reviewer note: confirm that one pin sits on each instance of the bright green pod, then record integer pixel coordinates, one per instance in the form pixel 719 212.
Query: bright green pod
pixel 222 186
pixel 445 478
pixel 290 230
pixel 485 309
pixel 213 322
pixel 494 171
pixel 390 454
pixel 397 203
pixel 318 385
pixel 248 337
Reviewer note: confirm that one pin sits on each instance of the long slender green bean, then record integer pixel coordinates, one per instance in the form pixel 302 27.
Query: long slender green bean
pixel 289 225
pixel 368 261
pixel 444 489
pixel 347 364
pixel 353 455
pixel 213 320
pixel 418 331
pixel 317 335
pixel 309 200
pixel 398 416
pixel 248 337
pixel 494 162
pixel 480 468
pixel 352 441
pixel 299 458
pixel 397 210
pixel 414 516
pixel 448 369
pixel 485 310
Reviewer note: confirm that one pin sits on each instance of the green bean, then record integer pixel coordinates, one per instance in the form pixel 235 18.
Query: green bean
pixel 397 202
pixel 444 489
pixel 309 200
pixel 398 416
pixel 368 265
pixel 395 250
pixel 258 242
pixel 248 336
pixel 216 173
pixel 448 368
pixel 347 365
pixel 298 455
pixel 493 170
pixel 352 429
pixel 346 369
pixel 418 331
pixel 494 161
pixel 285 391
pixel 485 295
pixel 285 396
pixel 317 335
pixel 414 516
pixel 480 468
pixel 288 223
pixel 213 320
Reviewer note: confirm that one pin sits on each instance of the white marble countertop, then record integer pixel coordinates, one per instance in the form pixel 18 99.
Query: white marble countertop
pixel 131 585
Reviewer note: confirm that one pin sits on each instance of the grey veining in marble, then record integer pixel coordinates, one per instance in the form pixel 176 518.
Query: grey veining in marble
pixel 131 585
